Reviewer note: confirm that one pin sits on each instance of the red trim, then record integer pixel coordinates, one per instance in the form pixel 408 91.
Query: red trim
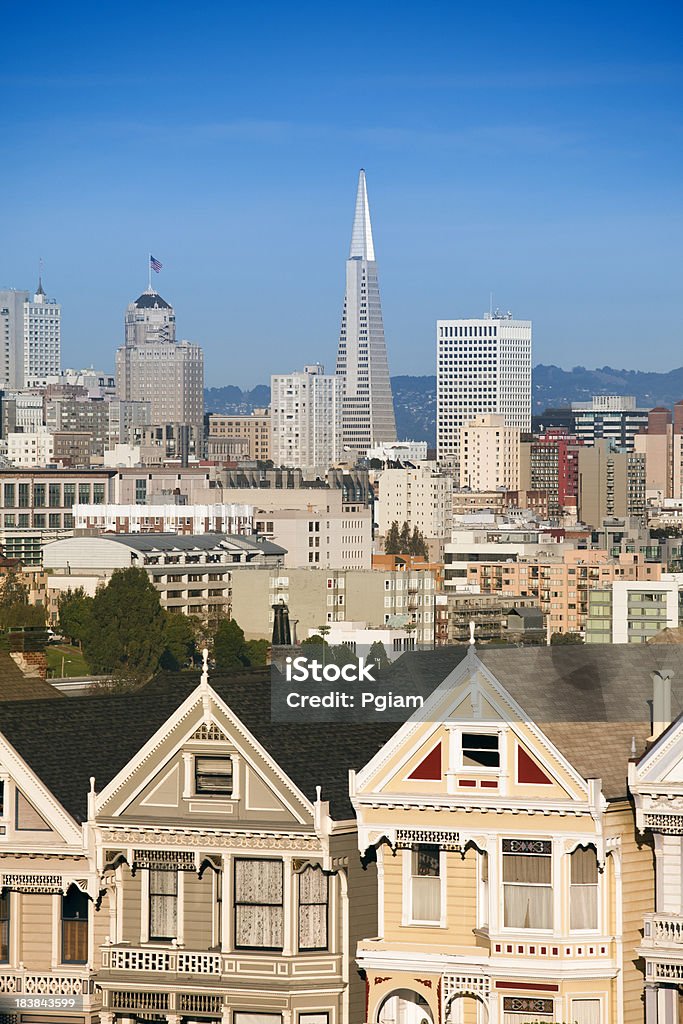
pixel 467 782
pixel 429 769
pixel 528 772
pixel 488 784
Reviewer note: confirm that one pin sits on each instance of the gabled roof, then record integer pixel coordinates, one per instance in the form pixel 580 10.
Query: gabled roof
pixel 14 685
pixel 68 741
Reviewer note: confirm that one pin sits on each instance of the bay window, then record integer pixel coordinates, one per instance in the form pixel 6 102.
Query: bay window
pixel 583 890
pixel 259 904
pixel 527 883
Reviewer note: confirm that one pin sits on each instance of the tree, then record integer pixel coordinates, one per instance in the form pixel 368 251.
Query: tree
pixel 391 541
pixel 15 609
pixel 341 655
pixel 229 646
pixel 566 638
pixel 75 609
pixel 126 633
pixel 378 655
pixel 181 641
pixel 404 540
pixel 418 545
pixel 257 652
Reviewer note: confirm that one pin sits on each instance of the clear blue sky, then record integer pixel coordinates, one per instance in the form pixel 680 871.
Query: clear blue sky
pixel 528 149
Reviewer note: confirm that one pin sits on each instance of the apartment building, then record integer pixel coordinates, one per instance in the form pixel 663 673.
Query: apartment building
pixel 634 611
pixel 419 496
pixel 319 537
pixel 612 417
pixel 489 454
pixel 560 583
pixel 610 483
pixel 550 463
pixel 318 597
pixel 160 518
pixel 512 885
pixel 255 428
pixel 501 501
pixel 193 574
pixel 306 419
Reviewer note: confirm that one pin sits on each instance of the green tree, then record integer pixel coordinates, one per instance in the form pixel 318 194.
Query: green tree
pixel 126 634
pixel 404 540
pixel 257 652
pixel 75 609
pixel 418 545
pixel 180 634
pixel 229 646
pixel 391 541
pixel 566 638
pixel 378 655
pixel 15 609
pixel 342 654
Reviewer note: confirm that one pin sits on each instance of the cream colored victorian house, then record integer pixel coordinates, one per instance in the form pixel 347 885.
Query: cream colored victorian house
pixel 172 855
pixel 513 886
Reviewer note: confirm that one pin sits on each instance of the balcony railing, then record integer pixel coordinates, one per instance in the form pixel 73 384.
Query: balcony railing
pixel 127 958
pixel 663 930
pixel 19 981
pixel 216 965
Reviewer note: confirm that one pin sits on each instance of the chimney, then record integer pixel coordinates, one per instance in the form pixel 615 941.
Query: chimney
pixel 661 701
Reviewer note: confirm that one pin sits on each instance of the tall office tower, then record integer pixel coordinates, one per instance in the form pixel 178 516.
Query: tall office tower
pixel 153 367
pixel 30 337
pixel 306 419
pixel 482 366
pixel 368 405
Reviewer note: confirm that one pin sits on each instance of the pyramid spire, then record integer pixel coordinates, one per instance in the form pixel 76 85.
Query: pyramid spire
pixel 361 236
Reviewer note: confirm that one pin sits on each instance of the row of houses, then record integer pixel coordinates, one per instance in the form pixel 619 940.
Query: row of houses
pixel 512 853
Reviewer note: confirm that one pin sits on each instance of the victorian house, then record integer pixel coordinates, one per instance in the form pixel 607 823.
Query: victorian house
pixel 513 885
pixel 172 855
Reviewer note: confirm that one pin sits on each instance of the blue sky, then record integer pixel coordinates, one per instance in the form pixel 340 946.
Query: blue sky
pixel 531 150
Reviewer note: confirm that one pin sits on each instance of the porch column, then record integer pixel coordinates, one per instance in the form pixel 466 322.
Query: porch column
pixel 650 1003
pixel 667 1004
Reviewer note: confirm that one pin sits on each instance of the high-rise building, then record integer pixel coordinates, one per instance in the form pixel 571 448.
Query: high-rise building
pixel 306 418
pixel 614 417
pixel 489 454
pixel 482 366
pixel 368 406
pixel 153 367
pixel 30 337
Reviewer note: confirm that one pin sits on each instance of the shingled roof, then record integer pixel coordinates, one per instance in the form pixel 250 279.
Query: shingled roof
pixel 14 685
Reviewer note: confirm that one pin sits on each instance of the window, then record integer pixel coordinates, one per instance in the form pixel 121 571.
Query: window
pixel 583 893
pixel 98 494
pixel 259 912
pixel 39 495
pixel 163 904
pixel 480 750
pixel 4 927
pixel 69 495
pixel 425 884
pixel 84 494
pixel 586 1011
pixel 55 495
pixel 257 1018
pixel 213 775
pixel 74 927
pixel 527 883
pixel 9 495
pixel 313 896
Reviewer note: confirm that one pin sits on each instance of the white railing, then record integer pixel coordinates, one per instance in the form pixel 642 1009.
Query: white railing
pixel 663 930
pixel 174 961
pixel 21 982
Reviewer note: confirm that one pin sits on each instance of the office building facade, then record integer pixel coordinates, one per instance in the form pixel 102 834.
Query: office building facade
pixel 30 336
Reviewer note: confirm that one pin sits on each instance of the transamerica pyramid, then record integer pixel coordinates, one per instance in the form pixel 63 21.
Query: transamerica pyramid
pixel 368 406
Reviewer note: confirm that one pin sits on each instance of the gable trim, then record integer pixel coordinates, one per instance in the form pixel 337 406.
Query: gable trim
pixel 64 827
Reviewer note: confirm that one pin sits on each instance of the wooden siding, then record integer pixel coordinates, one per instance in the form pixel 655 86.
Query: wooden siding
pixel 36 931
pixel 198 909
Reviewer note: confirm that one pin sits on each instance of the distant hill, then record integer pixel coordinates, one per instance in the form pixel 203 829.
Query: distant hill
pixel 552 387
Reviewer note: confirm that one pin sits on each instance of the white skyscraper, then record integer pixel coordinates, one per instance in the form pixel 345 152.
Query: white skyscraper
pixel 30 337
pixel 482 366
pixel 306 419
pixel 368 411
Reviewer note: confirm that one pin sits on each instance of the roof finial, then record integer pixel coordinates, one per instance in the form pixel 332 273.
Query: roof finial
pixel 361 237
pixel 204 681
pixel 472 641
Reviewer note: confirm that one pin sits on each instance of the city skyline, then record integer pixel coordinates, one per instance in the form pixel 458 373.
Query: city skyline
pixel 529 161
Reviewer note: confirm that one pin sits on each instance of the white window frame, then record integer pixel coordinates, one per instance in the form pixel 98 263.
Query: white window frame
pixel 456 764
pixel 598 896
pixel 407 890
pixel 214 751
pixel 516 930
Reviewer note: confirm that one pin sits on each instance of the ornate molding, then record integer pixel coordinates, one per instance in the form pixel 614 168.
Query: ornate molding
pixel 210 731
pixel 447 840
pixel 199 838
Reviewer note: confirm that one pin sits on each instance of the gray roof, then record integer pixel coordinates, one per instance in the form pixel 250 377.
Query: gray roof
pixel 152 300
pixel 590 700
pixel 193 542
pixel 14 685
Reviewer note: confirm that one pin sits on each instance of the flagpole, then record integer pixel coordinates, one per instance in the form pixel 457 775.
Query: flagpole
pixel 149 272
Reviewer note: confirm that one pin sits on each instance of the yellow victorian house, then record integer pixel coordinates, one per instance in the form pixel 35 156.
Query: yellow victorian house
pixel 513 885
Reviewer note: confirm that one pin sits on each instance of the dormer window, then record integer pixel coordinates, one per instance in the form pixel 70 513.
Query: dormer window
pixel 213 776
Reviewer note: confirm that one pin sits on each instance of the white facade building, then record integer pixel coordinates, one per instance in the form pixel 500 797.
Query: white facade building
pixel 489 454
pixel 30 449
pixel 482 366
pixel 421 497
pixel 306 418
pixel 192 519
pixel 399 451
pixel 30 337
pixel 319 538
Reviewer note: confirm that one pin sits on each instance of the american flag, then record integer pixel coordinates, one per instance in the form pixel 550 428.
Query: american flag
pixel 155 264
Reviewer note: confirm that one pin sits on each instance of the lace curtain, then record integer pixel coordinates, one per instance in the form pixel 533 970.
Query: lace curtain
pixel 527 893
pixel 313 894
pixel 258 904
pixel 583 898
pixel 163 904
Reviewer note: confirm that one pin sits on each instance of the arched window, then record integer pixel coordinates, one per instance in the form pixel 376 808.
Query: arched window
pixel 583 892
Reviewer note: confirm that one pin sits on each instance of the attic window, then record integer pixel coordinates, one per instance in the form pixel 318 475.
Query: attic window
pixel 213 775
pixel 480 750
